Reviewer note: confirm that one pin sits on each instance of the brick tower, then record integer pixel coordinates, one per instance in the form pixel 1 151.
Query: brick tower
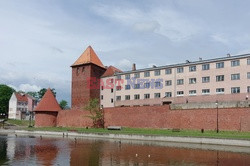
pixel 86 72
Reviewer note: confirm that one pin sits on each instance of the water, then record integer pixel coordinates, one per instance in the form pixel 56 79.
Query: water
pixel 30 150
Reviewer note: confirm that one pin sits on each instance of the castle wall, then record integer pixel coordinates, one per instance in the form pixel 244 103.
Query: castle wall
pixel 46 119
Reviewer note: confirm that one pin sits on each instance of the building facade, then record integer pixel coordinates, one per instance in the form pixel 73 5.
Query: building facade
pixel 21 105
pixel 222 79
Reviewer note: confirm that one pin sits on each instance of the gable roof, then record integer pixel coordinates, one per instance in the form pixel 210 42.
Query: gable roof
pixel 111 70
pixel 88 56
pixel 21 97
pixel 48 102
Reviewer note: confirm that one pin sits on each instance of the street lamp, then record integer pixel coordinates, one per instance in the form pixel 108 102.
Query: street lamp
pixel 217 128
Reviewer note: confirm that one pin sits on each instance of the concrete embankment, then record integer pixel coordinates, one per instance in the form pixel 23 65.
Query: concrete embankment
pixel 193 140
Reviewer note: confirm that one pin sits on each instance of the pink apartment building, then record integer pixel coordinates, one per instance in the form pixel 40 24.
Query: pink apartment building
pixel 223 79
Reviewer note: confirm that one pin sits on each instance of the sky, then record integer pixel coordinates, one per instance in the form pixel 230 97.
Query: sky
pixel 41 39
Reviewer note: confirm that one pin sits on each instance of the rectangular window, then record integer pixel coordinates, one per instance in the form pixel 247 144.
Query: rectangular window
pixel 192 92
pixel 111 80
pixel 137 86
pixel 157 72
pixel 235 63
pixel 101 97
pixel 147 85
pixel 146 74
pixel 219 78
pixel 180 81
pixel 219 65
pixel 137 75
pixel 137 96
pixel 192 80
pixel 127 76
pixel 112 90
pixel 248 61
pixel 205 91
pixel 127 87
pixel 168 94
pixel 235 76
pixel 248 75
pixel 235 90
pixel 118 98
pixel 180 70
pixel 248 89
pixel 180 93
pixel 127 97
pixel 192 68
pixel 220 90
pixel 205 79
pixel 157 84
pixel 118 77
pixel 146 96
pixel 112 100
pixel 118 88
pixel 168 83
pixel 157 95
pixel 205 66
pixel 101 87
pixel 168 71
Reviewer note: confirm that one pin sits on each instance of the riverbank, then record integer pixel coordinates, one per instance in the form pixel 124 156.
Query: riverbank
pixel 138 136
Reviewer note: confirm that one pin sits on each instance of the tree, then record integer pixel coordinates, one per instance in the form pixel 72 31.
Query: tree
pixel 33 94
pixel 64 104
pixel 96 114
pixel 5 95
pixel 43 91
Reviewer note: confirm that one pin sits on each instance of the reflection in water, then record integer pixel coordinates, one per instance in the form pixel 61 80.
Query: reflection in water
pixel 58 151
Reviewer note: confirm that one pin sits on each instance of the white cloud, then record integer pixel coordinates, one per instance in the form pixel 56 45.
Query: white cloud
pixel 149 26
pixel 26 87
pixel 124 65
pixel 220 38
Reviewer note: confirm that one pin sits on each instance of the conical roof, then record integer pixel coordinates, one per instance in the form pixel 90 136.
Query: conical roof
pixel 48 102
pixel 111 71
pixel 88 56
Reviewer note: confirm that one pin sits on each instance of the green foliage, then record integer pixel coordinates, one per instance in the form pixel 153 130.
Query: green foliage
pixel 20 122
pixel 96 114
pixel 43 91
pixel 33 94
pixel 5 95
pixel 64 104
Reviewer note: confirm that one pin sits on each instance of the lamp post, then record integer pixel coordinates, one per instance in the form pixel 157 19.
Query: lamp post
pixel 217 128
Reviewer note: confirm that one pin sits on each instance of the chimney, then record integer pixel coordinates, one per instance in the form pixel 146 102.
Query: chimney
pixel 133 67
pixel 200 59
pixel 187 61
pixel 228 55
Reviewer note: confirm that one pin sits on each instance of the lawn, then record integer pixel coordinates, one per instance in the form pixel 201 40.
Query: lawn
pixel 159 132
pixel 19 122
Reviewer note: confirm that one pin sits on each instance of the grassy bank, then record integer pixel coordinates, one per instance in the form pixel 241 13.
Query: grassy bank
pixel 160 132
pixel 19 122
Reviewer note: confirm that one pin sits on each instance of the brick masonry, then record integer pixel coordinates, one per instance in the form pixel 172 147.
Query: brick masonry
pixel 237 119
pixel 46 119
pixel 81 92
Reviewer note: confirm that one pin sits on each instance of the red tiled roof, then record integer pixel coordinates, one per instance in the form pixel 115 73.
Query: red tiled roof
pixel 88 56
pixel 111 71
pixel 48 102
pixel 21 97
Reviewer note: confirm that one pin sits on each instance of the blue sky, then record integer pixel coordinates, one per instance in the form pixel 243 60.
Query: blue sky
pixel 39 40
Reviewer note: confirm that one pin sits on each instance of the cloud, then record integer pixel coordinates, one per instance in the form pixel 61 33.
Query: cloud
pixel 220 38
pixel 26 88
pixel 149 26
pixel 124 65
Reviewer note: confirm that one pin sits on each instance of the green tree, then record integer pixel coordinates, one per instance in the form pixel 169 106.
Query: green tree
pixel 64 104
pixel 43 91
pixel 5 95
pixel 33 94
pixel 96 114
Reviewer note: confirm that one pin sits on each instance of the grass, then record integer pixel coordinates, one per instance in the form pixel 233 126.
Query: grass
pixel 19 122
pixel 159 132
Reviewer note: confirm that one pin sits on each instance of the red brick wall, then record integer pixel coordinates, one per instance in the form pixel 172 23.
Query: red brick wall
pixel 46 119
pixel 73 118
pixel 81 93
pixel 162 117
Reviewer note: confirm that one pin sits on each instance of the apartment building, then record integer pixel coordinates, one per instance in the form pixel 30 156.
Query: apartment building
pixel 221 79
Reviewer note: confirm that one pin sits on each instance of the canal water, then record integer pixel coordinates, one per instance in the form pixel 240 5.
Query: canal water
pixel 31 150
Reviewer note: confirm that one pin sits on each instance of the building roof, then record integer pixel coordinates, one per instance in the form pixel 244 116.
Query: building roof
pixel 88 56
pixel 188 63
pixel 111 70
pixel 48 102
pixel 21 97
